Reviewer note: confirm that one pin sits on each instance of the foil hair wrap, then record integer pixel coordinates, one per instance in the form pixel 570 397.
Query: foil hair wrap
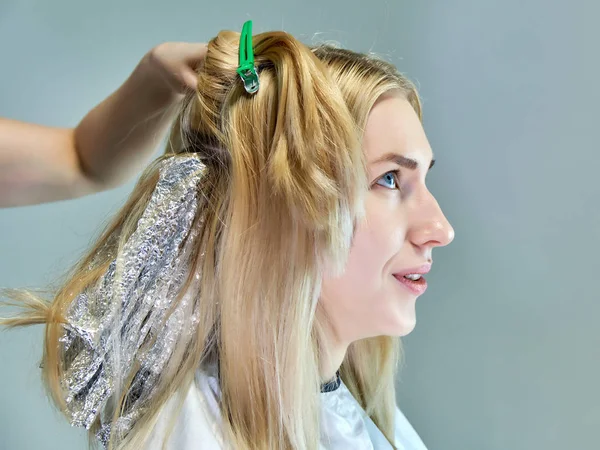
pixel 121 324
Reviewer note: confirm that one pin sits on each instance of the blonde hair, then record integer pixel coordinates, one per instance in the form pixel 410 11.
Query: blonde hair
pixel 283 187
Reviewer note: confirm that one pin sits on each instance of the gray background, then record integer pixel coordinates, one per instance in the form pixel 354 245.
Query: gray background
pixel 505 354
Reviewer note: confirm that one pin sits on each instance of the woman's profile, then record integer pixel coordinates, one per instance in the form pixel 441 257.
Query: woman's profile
pixel 251 291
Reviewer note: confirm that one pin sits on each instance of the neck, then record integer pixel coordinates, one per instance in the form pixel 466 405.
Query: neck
pixel 333 353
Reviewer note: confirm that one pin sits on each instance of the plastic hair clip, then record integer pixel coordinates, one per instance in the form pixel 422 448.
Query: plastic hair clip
pixel 246 69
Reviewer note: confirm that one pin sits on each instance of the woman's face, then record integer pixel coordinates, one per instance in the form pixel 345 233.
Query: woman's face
pixel 402 225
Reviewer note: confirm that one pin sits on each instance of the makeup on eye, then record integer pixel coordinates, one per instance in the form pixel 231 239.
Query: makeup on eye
pixel 410 164
pixel 392 176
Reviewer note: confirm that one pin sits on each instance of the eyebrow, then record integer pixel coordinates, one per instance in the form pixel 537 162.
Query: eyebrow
pixel 402 161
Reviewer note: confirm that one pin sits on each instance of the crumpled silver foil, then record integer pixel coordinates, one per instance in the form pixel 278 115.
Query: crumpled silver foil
pixel 111 322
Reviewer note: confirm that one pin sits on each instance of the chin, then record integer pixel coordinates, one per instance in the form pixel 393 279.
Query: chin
pixel 407 331
pixel 403 327
pixel 397 329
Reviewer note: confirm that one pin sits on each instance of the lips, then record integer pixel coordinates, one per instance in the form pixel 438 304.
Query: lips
pixel 420 270
pixel 417 287
pixel 413 279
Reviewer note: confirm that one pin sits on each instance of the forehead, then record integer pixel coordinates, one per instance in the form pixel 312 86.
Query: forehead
pixel 394 127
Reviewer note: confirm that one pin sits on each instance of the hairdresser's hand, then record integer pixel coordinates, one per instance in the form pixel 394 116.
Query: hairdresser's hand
pixel 175 63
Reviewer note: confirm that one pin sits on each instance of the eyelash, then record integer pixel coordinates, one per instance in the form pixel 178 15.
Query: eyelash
pixel 396 174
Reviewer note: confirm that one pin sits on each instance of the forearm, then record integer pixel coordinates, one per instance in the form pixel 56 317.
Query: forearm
pixel 37 164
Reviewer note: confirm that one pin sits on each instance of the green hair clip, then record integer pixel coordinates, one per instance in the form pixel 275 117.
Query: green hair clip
pixel 246 69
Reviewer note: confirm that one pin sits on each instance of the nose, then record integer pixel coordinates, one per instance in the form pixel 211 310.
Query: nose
pixel 429 227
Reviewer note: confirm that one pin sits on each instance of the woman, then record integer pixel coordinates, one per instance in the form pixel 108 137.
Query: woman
pixel 250 293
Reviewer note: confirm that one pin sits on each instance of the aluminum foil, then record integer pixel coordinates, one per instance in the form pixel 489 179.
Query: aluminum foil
pixel 111 323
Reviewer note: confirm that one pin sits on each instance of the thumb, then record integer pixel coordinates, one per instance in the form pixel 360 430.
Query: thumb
pixel 190 78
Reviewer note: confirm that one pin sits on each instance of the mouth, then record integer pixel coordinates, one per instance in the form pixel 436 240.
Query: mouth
pixel 413 279
pixel 415 283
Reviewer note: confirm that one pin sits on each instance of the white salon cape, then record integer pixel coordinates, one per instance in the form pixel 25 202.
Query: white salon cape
pixel 344 424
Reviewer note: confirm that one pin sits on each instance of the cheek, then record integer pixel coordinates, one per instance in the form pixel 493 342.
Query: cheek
pixel 379 238
pixel 363 298
pixel 376 242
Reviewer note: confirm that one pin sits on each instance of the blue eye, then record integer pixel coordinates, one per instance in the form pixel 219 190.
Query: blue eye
pixel 389 180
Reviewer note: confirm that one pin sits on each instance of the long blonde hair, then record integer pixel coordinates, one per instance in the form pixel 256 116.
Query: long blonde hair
pixel 283 188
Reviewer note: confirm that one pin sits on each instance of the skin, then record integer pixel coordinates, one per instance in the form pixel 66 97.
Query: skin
pixel 112 142
pixel 403 224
